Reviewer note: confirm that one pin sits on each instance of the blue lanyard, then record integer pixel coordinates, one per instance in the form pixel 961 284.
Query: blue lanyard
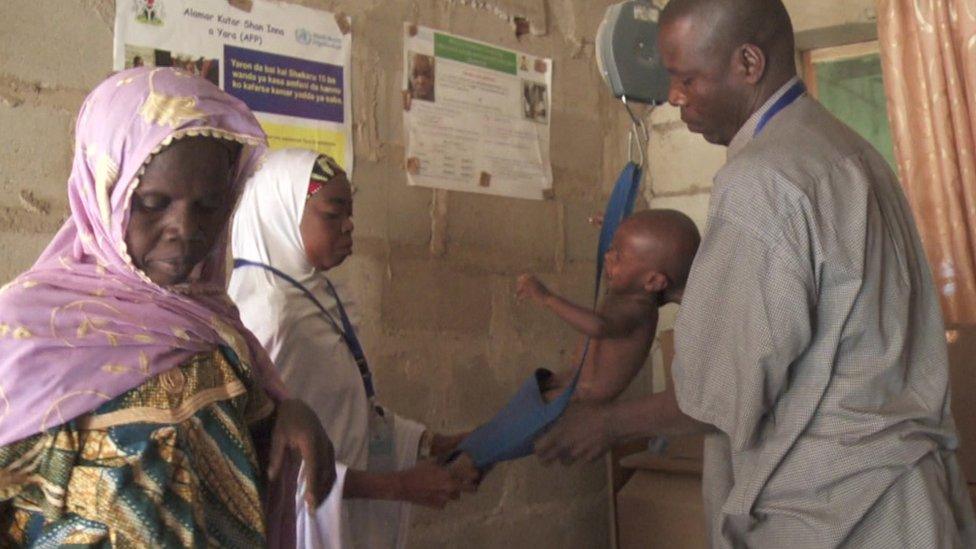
pixel 346 332
pixel 791 95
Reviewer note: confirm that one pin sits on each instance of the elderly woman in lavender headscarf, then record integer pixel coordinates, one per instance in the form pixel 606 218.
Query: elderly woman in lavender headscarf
pixel 135 408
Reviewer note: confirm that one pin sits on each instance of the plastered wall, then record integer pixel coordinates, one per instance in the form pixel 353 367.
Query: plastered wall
pixel 433 273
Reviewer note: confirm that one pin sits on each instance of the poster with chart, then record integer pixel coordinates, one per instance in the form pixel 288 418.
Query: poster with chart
pixel 476 116
pixel 289 64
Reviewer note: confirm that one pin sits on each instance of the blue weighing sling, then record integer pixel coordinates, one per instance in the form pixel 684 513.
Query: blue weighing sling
pixel 511 433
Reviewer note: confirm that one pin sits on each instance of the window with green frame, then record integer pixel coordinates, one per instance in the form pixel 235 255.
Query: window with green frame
pixel 848 81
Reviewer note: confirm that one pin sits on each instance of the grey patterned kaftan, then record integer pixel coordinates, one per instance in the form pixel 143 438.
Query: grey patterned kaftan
pixel 810 334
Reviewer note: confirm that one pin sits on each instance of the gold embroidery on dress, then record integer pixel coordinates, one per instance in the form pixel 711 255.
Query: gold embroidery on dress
pixel 172 381
pixel 232 338
pixel 46 420
pixel 82 330
pixel 23 469
pixel 174 395
pixel 90 325
pixel 233 493
pixel 4 404
pixel 924 24
pixel 179 414
pixel 172 111
pixel 22 333
pixel 115 368
pixel 106 173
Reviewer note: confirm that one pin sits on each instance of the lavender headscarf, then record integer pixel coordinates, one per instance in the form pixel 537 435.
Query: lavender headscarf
pixel 84 325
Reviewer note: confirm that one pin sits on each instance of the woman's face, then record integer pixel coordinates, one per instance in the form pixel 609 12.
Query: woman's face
pixel 179 209
pixel 326 225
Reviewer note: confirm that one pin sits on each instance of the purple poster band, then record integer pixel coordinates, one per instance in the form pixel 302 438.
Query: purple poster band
pixel 279 84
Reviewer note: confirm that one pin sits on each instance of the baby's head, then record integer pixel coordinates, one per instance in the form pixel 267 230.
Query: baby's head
pixel 422 77
pixel 651 253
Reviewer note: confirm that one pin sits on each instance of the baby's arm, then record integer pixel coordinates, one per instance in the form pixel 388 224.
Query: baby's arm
pixel 584 320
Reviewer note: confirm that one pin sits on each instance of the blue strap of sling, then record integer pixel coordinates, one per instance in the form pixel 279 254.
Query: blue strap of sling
pixel 346 331
pixel 620 205
pixel 511 433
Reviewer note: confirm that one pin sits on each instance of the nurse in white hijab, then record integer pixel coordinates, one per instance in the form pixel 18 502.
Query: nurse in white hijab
pixel 293 224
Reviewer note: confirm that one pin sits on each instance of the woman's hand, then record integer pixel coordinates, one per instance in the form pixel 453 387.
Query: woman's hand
pixel 442 445
pixel 464 471
pixel 297 430
pixel 429 484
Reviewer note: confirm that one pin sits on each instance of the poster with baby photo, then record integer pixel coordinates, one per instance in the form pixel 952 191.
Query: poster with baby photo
pixel 476 115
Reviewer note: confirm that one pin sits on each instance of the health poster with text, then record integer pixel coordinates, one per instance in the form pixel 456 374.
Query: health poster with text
pixel 476 116
pixel 289 64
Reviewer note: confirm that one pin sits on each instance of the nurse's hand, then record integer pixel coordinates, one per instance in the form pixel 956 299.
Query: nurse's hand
pixel 297 430
pixel 582 433
pixel 428 484
pixel 443 445
pixel 464 471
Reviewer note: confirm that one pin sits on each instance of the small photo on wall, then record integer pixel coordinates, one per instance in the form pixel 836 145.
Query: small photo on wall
pixel 535 101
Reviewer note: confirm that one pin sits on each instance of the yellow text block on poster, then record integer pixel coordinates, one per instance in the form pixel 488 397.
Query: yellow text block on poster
pixel 284 136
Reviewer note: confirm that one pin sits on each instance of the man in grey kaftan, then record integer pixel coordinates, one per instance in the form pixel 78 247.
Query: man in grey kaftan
pixel 810 335
pixel 810 346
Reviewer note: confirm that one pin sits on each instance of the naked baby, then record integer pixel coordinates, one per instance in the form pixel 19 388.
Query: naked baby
pixel 646 267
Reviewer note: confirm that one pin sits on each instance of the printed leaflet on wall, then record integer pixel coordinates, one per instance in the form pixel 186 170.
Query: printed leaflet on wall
pixel 476 116
pixel 289 64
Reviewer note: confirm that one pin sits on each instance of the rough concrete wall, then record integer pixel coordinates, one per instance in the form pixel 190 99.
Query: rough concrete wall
pixel 446 338
pixel 42 84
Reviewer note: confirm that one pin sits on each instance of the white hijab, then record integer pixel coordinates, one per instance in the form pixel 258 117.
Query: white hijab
pixel 314 362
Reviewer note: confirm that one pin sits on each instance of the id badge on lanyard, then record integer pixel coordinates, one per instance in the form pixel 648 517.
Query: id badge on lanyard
pixel 382 446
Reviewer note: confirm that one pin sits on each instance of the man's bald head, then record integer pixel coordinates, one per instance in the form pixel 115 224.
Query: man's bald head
pixel 728 24
pixel 726 58
pixel 669 240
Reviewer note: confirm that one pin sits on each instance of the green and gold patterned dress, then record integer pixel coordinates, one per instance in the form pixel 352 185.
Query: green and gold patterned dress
pixel 171 463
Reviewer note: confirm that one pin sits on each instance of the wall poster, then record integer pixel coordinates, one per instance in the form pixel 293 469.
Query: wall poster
pixel 289 64
pixel 476 116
